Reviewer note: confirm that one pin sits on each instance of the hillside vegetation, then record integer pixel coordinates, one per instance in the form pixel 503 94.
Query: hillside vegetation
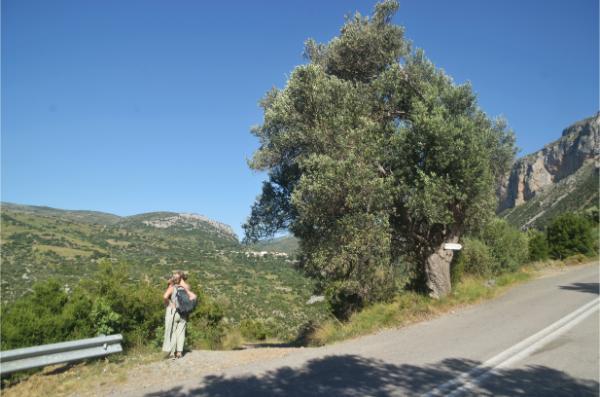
pixel 285 244
pixel 39 243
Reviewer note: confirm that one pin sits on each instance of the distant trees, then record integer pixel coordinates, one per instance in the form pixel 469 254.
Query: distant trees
pixel 375 157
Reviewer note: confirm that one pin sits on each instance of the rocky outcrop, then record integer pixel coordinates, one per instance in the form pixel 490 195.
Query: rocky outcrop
pixel 190 221
pixel 538 171
pixel 576 193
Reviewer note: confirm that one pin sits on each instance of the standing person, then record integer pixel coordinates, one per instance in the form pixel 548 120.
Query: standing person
pixel 175 323
pixel 184 284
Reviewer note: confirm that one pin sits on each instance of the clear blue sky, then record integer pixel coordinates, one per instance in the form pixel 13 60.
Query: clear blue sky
pixel 135 106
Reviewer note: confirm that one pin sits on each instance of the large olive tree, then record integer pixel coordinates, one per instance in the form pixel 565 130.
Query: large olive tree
pixel 375 157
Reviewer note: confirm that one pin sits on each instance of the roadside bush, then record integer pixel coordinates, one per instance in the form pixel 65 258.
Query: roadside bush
pixel 253 330
pixel 475 258
pixel 570 234
pixel 105 320
pixel 457 269
pixel 508 245
pixel 205 329
pixel 592 215
pixel 108 303
pixel 495 249
pixel 36 319
pixel 343 298
pixel 538 246
pixel 121 305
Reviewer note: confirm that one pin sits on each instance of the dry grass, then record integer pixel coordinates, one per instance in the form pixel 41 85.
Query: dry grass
pixel 118 243
pixel 232 340
pixel 83 378
pixel 62 251
pixel 410 307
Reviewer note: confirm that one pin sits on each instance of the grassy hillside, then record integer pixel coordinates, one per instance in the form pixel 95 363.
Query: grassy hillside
pixel 38 242
pixel 286 244
pixel 574 193
pixel 94 217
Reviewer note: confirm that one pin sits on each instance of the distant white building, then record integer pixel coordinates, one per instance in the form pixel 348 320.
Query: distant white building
pixel 261 254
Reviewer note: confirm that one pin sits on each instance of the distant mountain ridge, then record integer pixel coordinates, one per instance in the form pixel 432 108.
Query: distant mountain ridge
pixel 563 176
pixel 161 220
pixel 165 220
pixel 79 215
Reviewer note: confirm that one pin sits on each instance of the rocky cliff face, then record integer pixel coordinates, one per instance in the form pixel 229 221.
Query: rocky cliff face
pixel 539 171
pixel 189 221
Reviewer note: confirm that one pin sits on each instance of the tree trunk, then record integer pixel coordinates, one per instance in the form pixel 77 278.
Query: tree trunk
pixel 437 269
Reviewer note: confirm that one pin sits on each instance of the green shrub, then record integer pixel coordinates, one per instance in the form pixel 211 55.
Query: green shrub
pixel 121 305
pixel 570 234
pixel 205 329
pixel 508 245
pixel 497 248
pixel 36 319
pixel 105 320
pixel 538 246
pixel 110 302
pixel 457 269
pixel 253 330
pixel 475 258
pixel 592 215
pixel 343 298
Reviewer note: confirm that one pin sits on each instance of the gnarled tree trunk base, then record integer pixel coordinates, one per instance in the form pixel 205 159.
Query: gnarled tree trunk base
pixel 437 270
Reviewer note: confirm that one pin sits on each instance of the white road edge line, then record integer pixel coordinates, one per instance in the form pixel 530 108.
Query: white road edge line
pixel 517 351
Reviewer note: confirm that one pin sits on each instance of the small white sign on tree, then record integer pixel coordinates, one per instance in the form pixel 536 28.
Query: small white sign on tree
pixel 452 246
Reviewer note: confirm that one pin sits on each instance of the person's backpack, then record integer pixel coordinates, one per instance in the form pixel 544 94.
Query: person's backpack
pixel 183 303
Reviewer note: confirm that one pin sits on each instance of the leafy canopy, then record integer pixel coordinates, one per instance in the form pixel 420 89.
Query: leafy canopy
pixel 374 156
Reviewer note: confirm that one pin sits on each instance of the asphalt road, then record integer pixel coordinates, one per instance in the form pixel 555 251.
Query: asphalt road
pixel 539 339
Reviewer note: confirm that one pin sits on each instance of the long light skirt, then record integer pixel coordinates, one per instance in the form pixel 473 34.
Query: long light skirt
pixel 174 331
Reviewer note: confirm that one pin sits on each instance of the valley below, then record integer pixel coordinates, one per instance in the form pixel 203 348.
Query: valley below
pixel 40 243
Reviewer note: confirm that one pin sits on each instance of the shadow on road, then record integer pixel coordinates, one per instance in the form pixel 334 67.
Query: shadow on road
pixel 591 288
pixel 351 375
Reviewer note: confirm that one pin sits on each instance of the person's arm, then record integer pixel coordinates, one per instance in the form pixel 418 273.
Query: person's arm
pixel 167 296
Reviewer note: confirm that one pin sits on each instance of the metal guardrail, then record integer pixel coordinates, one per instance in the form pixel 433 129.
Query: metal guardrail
pixel 57 353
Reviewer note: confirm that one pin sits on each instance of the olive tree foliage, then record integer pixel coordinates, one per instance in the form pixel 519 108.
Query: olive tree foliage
pixel 374 157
